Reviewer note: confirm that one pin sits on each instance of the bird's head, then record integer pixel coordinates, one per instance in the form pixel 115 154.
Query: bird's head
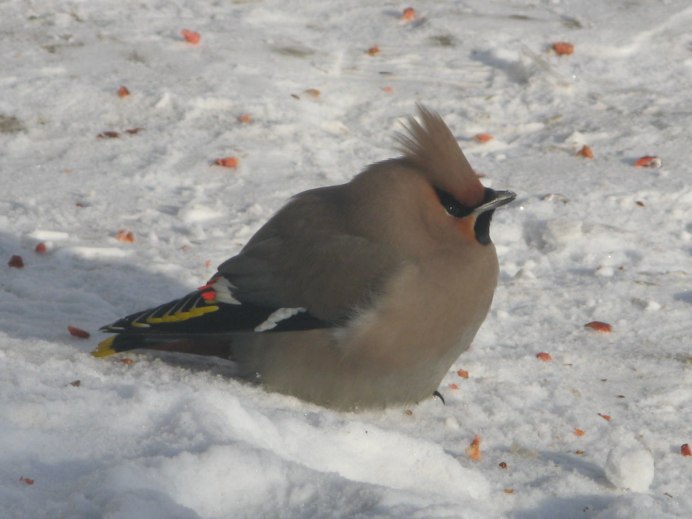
pixel 431 148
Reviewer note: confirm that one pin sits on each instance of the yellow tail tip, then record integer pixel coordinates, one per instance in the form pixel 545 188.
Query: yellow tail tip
pixel 105 348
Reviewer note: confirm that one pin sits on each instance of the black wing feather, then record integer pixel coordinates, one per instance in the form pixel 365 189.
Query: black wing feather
pixel 211 309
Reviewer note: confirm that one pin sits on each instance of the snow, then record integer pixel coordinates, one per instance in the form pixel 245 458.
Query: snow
pixel 630 466
pixel 587 239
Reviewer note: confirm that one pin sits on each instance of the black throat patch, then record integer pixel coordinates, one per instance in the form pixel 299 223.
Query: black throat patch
pixel 482 227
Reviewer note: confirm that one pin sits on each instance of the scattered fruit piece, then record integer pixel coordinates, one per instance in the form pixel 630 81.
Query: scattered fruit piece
pixel 313 92
pixel 474 450
pixel 78 332
pixel 40 248
pixel 579 432
pixel 585 152
pixel 127 361
pixel 16 262
pixel 599 326
pixel 227 162
pixel 685 449
pixel 463 373
pixel 108 135
pixel 648 161
pixel 191 37
pixel 579 452
pixel 409 14
pixel 408 412
pixel 508 491
pixel 482 137
pixel 125 236
pixel 563 48
pixel 26 481
pixel 374 50
pixel 545 357
pixel 606 417
pixel 503 465
pixel 388 90
pixel 123 91
pixel 453 387
pixel 245 118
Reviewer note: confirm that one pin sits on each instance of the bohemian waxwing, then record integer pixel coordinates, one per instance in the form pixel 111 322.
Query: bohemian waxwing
pixel 353 296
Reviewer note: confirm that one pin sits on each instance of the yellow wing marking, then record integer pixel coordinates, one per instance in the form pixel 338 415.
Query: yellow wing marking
pixel 104 348
pixel 183 316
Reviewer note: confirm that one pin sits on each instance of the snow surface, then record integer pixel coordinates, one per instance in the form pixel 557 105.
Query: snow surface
pixel 587 239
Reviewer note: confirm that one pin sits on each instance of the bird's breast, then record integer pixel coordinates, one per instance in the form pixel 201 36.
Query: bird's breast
pixel 427 310
pixel 465 227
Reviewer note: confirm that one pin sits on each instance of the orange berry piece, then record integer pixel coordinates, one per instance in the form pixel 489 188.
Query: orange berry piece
pixel 474 450
pixel 599 326
pixel 648 161
pixel 409 14
pixel 125 236
pixel 227 162
pixel 191 37
pixel 563 48
pixel 585 152
pixel 78 332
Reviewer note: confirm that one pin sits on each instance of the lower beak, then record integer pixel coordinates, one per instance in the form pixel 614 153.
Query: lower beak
pixel 493 200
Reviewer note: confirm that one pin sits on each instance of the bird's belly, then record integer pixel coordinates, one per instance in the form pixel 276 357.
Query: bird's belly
pixel 395 352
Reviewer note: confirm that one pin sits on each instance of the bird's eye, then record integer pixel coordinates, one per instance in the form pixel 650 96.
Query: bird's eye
pixel 451 205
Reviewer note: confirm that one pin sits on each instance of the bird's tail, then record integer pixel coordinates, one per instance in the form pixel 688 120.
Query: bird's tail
pixel 215 345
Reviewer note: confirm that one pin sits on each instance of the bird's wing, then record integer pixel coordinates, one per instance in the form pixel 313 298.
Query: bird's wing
pixel 303 270
pixel 331 278
pixel 313 254
pixel 202 322
pixel 213 309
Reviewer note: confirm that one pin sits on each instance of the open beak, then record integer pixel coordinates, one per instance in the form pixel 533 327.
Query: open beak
pixel 494 199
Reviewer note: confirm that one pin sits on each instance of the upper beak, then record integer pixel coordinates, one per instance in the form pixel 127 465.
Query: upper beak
pixel 493 200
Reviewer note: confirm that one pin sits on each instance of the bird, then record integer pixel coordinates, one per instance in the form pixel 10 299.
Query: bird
pixel 353 296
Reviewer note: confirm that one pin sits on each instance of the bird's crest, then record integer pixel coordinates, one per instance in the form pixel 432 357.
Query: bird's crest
pixel 432 147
